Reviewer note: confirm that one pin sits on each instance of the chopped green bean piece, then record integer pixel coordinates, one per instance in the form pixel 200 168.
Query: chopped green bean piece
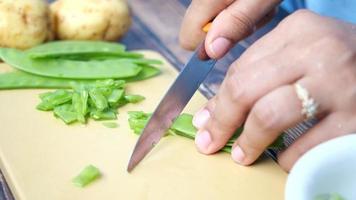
pixel 80 104
pixel 89 174
pixel 50 100
pixel 116 95
pixel 65 113
pixel 99 99
pixel 134 98
pixel 103 115
pixel 110 124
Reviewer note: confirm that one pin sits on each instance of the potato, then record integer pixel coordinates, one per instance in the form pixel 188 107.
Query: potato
pixel 90 19
pixel 23 23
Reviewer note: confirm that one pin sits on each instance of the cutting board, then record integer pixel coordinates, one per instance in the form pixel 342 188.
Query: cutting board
pixel 39 155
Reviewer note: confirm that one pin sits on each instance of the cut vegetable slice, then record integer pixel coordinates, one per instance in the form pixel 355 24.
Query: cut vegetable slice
pixel 65 113
pixel 134 98
pixel 89 174
pixel 110 124
pixel 60 68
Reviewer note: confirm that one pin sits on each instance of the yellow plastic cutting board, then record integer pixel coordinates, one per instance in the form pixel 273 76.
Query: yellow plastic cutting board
pixel 39 155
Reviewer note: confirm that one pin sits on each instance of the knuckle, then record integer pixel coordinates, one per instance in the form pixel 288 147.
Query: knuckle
pixel 296 20
pixel 243 23
pixel 265 116
pixel 236 90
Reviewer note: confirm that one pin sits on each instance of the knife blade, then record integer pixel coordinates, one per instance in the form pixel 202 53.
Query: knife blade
pixel 172 104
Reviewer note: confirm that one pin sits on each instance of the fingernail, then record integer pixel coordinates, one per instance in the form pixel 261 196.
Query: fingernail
pixel 238 155
pixel 203 141
pixel 220 46
pixel 200 118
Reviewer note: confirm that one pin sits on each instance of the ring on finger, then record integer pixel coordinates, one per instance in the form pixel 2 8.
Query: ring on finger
pixel 309 105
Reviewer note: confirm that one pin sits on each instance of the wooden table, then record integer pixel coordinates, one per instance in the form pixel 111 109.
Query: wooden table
pixel 156 26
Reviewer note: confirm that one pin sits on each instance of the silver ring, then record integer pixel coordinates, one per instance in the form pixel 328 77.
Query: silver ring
pixel 309 105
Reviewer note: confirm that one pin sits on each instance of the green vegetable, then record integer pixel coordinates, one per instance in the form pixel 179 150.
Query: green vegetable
pixel 183 126
pixel 70 48
pixel 80 104
pixel 331 196
pixel 50 100
pixel 116 95
pixel 134 98
pixel 58 64
pixel 103 115
pixel 98 100
pixel 61 68
pixel 65 113
pixel 23 80
pixel 89 174
pixel 110 124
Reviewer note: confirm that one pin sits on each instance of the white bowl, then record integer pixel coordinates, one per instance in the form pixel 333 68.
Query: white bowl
pixel 327 168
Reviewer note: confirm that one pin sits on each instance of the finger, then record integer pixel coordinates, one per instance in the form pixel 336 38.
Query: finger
pixel 198 14
pixel 238 92
pixel 201 117
pixel 334 125
pixel 269 117
pixel 235 23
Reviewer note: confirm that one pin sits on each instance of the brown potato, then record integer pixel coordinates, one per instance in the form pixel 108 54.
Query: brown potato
pixel 90 19
pixel 23 23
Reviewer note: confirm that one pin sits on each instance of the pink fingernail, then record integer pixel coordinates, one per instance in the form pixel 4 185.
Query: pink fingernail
pixel 220 46
pixel 238 155
pixel 203 140
pixel 200 118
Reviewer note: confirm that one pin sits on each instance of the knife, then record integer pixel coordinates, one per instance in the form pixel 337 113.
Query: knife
pixel 172 104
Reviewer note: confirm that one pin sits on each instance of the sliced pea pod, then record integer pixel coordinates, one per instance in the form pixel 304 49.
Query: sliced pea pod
pixel 65 48
pixel 59 68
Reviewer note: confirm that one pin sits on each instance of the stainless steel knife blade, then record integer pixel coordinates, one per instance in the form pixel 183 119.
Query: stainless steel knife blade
pixel 172 104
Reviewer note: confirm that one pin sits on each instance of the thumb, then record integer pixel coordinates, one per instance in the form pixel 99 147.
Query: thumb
pixel 235 23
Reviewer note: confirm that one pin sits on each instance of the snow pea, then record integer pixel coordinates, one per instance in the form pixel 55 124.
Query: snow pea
pixel 65 48
pixel 183 126
pixel 60 68
pixel 23 80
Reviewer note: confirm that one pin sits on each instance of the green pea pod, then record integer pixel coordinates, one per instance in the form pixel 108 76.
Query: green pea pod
pixel 147 71
pixel 70 48
pixel 23 80
pixel 100 56
pixel 183 126
pixel 145 61
pixel 70 69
